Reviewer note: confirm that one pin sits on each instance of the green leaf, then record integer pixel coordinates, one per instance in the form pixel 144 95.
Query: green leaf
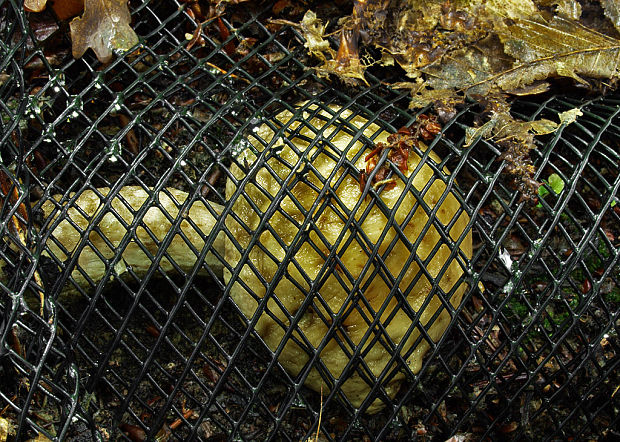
pixel 542 192
pixel 556 183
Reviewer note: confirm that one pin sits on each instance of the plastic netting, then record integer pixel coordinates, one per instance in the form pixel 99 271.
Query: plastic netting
pixel 164 352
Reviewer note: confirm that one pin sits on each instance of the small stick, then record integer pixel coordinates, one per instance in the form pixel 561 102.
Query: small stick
pixel 10 190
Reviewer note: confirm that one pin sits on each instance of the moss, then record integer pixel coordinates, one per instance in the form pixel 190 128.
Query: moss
pixel 613 296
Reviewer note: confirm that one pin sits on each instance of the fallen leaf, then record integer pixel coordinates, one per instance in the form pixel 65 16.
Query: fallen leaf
pixel 135 433
pixel 502 126
pixel 5 429
pixel 558 47
pixel 586 286
pixel 509 427
pixel 66 9
pixel 473 46
pixel 612 11
pixel 280 6
pixel 345 63
pixel 104 27
pixel 34 5
pixel 485 50
pixel 565 8
pixel 475 133
pixel 570 116
pixel 528 51
pixel 313 30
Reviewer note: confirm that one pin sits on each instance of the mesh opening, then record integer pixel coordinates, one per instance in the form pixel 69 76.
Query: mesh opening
pixel 162 348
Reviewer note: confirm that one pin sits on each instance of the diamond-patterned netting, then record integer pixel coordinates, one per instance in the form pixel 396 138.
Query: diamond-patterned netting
pixel 166 315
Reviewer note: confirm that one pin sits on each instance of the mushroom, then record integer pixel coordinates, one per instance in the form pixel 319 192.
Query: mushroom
pixel 338 278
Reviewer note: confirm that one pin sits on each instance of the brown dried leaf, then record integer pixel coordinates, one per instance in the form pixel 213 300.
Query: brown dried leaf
pixel 104 27
pixel 475 46
pixel 418 34
pixel 482 49
pixel 515 137
pixel 570 116
pixel 345 63
pixel 503 125
pixel 66 9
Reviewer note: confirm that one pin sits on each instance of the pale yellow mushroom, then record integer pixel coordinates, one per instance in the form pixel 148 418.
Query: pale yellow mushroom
pixel 318 214
pixel 307 264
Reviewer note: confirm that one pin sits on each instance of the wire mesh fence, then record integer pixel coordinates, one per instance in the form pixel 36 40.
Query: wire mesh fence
pixel 164 312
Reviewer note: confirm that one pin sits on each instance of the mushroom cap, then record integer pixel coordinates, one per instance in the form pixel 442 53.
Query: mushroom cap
pixel 340 281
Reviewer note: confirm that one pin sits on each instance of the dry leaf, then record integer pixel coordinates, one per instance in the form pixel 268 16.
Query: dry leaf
pixel 66 9
pixel 570 116
pixel 104 27
pixel 313 30
pixel 538 49
pixel 515 137
pixel 34 5
pixel 503 125
pixel 481 49
pixel 565 8
pixel 612 11
pixel 474 46
pixel 5 429
pixel 468 69
pixel 558 47
pixel 345 63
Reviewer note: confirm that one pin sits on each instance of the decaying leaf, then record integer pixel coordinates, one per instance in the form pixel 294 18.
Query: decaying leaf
pixel 314 30
pixel 612 11
pixel 482 49
pixel 345 63
pixel 5 429
pixel 66 9
pixel 34 5
pixel 104 27
pixel 528 51
pixel 468 70
pixel 474 47
pixel 570 116
pixel 565 8
pixel 558 47
pixel 515 137
pixel 502 126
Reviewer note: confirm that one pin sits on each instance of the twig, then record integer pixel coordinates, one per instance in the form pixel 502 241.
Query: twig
pixel 9 190
pixel 318 427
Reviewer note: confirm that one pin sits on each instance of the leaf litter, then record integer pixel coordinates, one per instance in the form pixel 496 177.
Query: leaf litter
pixel 105 25
pixel 487 51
